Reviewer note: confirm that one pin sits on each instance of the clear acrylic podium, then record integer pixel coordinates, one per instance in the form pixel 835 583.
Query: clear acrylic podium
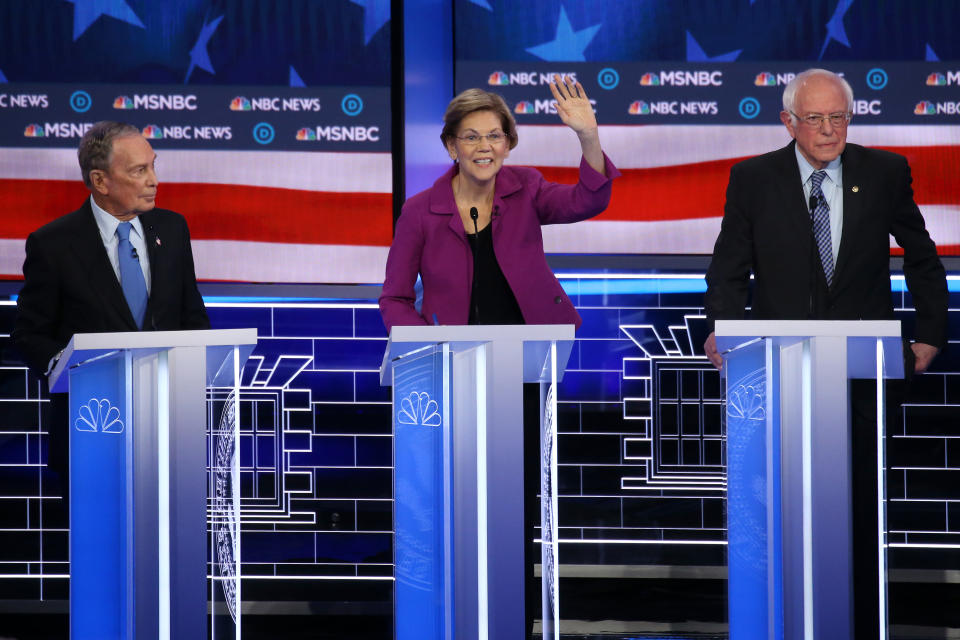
pixel 139 488
pixel 458 476
pixel 788 471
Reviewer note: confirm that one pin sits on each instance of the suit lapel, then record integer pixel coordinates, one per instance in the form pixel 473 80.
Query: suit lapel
pixel 852 205
pixel 92 259
pixel 155 251
pixel 795 210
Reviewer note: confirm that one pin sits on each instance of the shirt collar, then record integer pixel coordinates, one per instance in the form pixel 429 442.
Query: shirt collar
pixel 806 169
pixel 108 223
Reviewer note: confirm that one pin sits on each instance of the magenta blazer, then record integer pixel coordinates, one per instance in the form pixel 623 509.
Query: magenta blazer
pixel 430 240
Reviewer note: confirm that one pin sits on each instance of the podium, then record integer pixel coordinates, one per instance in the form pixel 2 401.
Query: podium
pixel 139 486
pixel 788 471
pixel 458 476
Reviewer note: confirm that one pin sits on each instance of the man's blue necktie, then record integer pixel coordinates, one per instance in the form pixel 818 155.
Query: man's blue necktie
pixel 131 275
pixel 821 225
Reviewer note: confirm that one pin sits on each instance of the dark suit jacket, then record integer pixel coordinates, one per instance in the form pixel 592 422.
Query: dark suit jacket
pixel 767 229
pixel 69 286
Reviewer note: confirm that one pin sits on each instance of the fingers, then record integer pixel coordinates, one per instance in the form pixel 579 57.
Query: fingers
pixel 710 350
pixel 580 90
pixel 555 91
pixel 566 88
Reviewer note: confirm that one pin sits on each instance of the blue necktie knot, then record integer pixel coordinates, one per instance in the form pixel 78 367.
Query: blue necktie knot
pixel 131 274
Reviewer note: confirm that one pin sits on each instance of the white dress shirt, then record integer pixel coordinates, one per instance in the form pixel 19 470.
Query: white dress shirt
pixel 108 224
pixel 832 188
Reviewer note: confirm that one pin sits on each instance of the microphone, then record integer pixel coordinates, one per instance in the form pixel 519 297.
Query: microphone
pixel 133 252
pixel 474 214
pixel 814 258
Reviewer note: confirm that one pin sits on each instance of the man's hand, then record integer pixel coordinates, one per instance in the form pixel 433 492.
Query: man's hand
pixel 710 349
pixel 925 354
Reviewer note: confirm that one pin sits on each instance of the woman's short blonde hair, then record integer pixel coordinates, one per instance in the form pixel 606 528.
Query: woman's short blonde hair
pixel 471 101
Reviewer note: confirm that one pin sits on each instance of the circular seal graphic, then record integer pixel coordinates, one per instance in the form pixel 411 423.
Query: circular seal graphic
pixel 351 104
pixel 263 132
pixel 749 108
pixel 226 523
pixel 80 101
pixel 877 78
pixel 608 78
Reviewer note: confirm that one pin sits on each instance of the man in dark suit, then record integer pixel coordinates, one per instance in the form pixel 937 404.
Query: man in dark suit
pixel 813 222
pixel 114 264
pixel 72 272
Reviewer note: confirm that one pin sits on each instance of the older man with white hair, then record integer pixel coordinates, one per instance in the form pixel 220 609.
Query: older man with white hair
pixel 812 221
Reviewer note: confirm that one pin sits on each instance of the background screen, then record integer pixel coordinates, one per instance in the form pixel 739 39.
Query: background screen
pixel 271 121
pixel 684 89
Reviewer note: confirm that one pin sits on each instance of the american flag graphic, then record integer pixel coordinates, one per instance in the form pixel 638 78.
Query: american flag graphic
pixel 671 195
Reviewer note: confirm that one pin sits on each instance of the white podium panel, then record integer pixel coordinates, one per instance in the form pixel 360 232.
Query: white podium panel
pixel 458 478
pixel 139 486
pixel 789 471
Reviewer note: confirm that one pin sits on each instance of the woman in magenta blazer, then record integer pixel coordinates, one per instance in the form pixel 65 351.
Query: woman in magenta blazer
pixel 474 236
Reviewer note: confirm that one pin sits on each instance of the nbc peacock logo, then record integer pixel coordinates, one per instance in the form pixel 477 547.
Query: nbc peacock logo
pixel 306 133
pixel 650 80
pixel 925 108
pixel 524 106
pixel 240 104
pixel 639 108
pixel 152 132
pixel 765 79
pixel 99 415
pixel 936 79
pixel 419 409
pixel 33 131
pixel 498 78
pixel 122 102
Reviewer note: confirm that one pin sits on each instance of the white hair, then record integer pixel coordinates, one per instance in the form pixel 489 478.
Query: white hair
pixel 790 93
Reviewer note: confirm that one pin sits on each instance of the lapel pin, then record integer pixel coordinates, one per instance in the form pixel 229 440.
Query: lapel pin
pixel 158 239
pixel 854 188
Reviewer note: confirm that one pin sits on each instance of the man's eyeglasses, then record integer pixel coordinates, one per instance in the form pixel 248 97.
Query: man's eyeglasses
pixel 473 139
pixel 816 120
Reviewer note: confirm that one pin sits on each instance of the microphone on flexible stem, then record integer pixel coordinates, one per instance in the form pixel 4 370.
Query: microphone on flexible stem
pixel 813 203
pixel 474 215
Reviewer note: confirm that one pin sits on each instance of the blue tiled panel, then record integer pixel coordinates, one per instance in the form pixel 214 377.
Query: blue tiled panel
pixel 305 322
pixel 350 418
pixel 369 388
pixel 355 483
pixel 369 324
pixel 326 386
pixel 266 451
pixel 374 451
pixel 354 547
pixel 349 412
pixel 349 354
pixel 590 385
pixel 589 512
pixel 662 512
pixel 326 451
pixel 599 323
pixel 606 354
pixel 259 318
pixel 262 545
pixel 272 348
